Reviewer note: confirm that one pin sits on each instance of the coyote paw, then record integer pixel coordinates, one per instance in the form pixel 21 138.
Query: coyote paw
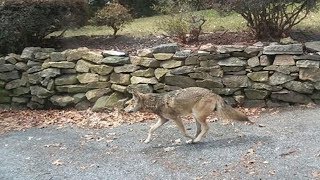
pixel 146 141
pixel 190 141
pixel 196 140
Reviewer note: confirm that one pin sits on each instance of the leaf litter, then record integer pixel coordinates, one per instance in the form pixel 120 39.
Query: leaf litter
pixel 19 120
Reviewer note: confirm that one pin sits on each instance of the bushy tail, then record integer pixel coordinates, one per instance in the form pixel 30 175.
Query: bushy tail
pixel 227 113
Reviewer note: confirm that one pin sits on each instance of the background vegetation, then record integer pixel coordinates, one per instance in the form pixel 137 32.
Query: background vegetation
pixel 27 23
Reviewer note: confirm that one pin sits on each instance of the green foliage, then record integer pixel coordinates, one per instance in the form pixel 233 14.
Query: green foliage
pixel 27 23
pixel 139 8
pixel 182 22
pixel 271 19
pixel 113 15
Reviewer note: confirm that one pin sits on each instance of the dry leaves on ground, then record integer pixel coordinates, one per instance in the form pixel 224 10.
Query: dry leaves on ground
pixel 22 119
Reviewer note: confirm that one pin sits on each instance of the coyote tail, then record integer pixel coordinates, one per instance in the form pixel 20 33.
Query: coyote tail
pixel 226 112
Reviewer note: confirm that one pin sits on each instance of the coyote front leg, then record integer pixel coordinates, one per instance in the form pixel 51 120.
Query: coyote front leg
pixel 154 127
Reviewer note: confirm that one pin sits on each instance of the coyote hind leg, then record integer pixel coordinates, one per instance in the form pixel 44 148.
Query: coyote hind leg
pixel 181 127
pixel 198 125
pixel 204 129
pixel 200 112
pixel 154 127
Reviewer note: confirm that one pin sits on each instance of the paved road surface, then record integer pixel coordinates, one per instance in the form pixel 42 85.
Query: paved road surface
pixel 287 147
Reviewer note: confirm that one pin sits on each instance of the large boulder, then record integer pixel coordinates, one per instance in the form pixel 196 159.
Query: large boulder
pixel 7 67
pixel 200 75
pixel 35 78
pixel 295 49
pixel 143 88
pixel 232 62
pixel 145 61
pixel 77 88
pixel 254 61
pixel 143 80
pixel 235 81
pixel 66 80
pixel 262 76
pixel 28 52
pixel 94 57
pixel 284 60
pixel 62 101
pixel 256 94
pixel 282 69
pixel 50 72
pixel 60 64
pixel 144 73
pixel 76 54
pixel 21 91
pixel 280 78
pixel 87 78
pixel 182 70
pixel 113 53
pixel 58 56
pixel 171 64
pixel 40 92
pixel 119 88
pixel 101 69
pixel 300 87
pixel 312 74
pixel 308 64
pixel 224 49
pixel 180 81
pixel 210 83
pixel 225 91
pixel 83 66
pixel 182 54
pixel 313 46
pixel 109 102
pixel 163 56
pixel 120 78
pixel 14 84
pixel 95 94
pixel 159 73
pixel 116 60
pixel 290 96
pixel 8 76
pixel 128 68
pixel 166 48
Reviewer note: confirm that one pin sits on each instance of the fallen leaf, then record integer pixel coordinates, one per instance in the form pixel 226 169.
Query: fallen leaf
pixel 167 149
pixel 288 153
pixel 57 162
pixel 53 145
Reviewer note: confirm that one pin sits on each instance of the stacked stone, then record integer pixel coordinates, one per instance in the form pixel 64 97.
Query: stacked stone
pixel 86 83
pixel 13 81
pixel 155 63
pixel 256 76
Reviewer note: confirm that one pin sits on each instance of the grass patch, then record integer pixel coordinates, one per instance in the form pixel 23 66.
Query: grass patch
pixel 215 22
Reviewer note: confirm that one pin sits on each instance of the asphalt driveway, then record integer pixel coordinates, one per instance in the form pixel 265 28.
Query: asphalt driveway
pixel 283 145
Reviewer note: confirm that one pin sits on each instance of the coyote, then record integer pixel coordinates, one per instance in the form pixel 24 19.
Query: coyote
pixel 199 102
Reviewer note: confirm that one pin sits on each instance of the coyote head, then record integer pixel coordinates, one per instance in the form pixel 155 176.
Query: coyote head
pixel 134 104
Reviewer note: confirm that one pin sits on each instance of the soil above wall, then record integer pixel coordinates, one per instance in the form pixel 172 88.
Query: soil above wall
pixel 131 44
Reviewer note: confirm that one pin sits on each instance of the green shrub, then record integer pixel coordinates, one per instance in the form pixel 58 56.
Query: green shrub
pixel 27 23
pixel 181 22
pixel 113 15
pixel 271 19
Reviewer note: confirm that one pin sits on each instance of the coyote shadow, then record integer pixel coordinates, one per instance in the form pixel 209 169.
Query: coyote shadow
pixel 211 144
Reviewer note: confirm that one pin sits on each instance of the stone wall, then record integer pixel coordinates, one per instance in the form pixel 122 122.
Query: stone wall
pixel 254 76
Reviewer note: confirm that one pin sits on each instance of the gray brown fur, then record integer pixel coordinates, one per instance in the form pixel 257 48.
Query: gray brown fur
pixel 197 101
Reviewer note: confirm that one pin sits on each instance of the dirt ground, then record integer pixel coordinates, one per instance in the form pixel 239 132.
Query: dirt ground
pixel 130 44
